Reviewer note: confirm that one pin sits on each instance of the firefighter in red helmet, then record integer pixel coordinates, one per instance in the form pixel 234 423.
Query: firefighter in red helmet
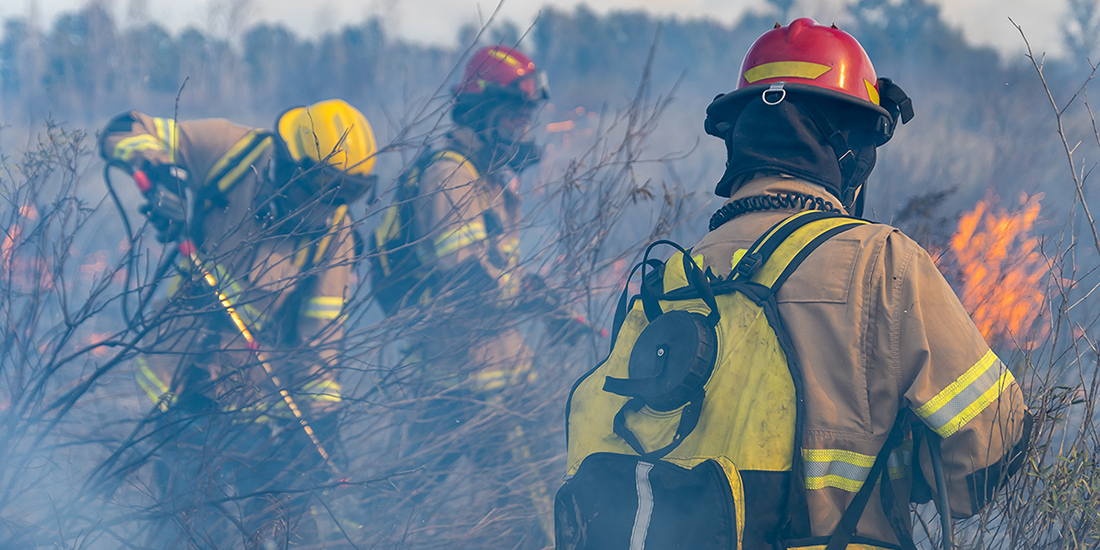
pixel 452 235
pixel 881 367
pixel 801 131
pixel 445 264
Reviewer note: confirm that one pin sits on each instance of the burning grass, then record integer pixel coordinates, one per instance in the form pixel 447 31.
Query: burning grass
pixel 995 263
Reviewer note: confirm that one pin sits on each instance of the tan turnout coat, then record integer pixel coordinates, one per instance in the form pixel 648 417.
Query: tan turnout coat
pixel 877 330
pixel 289 285
pixel 472 220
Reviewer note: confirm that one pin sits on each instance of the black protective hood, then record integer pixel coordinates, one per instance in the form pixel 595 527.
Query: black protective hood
pixel 784 139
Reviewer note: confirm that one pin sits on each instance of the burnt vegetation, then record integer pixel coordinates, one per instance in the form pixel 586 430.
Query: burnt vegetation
pixel 82 286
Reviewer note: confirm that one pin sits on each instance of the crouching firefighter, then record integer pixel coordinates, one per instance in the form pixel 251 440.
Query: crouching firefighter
pixel 781 383
pixel 241 366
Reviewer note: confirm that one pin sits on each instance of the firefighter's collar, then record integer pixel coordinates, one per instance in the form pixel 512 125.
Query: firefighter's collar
pixel 773 185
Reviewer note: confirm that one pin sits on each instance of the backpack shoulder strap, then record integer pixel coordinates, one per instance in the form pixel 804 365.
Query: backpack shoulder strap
pixel 772 259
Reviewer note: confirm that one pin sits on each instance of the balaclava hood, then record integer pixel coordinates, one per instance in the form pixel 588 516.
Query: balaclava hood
pixel 784 138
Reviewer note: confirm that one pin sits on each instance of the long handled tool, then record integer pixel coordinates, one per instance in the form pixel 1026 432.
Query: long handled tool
pixel 187 248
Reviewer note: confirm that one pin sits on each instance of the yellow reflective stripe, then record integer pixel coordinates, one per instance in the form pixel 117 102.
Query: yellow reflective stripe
pixel 302 254
pixel 128 147
pixel 337 217
pixel 967 396
pixel 871 91
pixel 490 379
pixel 323 390
pixel 456 157
pixel 386 232
pixel 155 388
pixel 845 470
pixel 786 69
pixel 850 546
pixel 168 134
pixel 494 379
pixel 323 307
pixel 900 460
pixel 237 161
pixel 455 239
pixel 507 58
pixel 510 247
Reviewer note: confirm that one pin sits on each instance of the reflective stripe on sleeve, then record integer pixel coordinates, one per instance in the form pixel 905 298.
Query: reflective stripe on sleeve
pixel 510 248
pixel 323 307
pixel 128 147
pixel 967 396
pixel 497 378
pixel 155 388
pixel 461 237
pixel 845 470
pixel 327 391
pixel 168 134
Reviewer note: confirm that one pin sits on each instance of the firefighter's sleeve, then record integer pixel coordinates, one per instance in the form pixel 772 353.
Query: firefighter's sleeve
pixel 953 382
pixel 197 146
pixel 138 139
pixel 457 224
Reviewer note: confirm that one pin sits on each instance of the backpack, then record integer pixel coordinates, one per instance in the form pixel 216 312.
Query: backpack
pixel 400 254
pixel 688 435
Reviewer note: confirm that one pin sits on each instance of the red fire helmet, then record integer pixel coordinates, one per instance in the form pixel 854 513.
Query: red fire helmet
pixel 803 57
pixel 503 71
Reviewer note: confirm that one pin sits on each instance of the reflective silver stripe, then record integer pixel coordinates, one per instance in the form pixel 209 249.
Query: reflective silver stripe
pixel 324 307
pixel 466 235
pixel 967 396
pixel 645 506
pixel 845 470
pixel 900 460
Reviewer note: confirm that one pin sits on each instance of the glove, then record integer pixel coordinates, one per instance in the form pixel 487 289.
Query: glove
pixel 166 211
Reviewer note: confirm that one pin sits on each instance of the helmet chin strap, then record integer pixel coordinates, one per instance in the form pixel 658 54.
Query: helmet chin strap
pixel 853 200
pixel 855 163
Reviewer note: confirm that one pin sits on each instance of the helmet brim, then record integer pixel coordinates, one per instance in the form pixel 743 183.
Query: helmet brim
pixel 726 108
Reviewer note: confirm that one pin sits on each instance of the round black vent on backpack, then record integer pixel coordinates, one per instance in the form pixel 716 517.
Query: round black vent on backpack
pixel 671 361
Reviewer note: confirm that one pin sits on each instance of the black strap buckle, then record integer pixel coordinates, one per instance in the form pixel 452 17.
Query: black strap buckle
pixel 748 265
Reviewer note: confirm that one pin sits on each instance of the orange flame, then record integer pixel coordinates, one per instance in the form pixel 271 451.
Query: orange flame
pixel 998 268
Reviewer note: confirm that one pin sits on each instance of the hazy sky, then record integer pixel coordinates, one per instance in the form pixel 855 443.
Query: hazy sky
pixel 436 21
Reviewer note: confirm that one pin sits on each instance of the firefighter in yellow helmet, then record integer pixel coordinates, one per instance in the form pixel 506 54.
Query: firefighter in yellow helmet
pixel 244 355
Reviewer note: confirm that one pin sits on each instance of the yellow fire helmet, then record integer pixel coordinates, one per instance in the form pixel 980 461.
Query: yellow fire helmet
pixel 330 131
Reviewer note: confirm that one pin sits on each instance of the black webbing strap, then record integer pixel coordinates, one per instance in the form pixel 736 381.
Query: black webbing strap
pixel 761 250
pixel 797 521
pixel 689 419
pixel 810 247
pixel 847 526
pixel 894 517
